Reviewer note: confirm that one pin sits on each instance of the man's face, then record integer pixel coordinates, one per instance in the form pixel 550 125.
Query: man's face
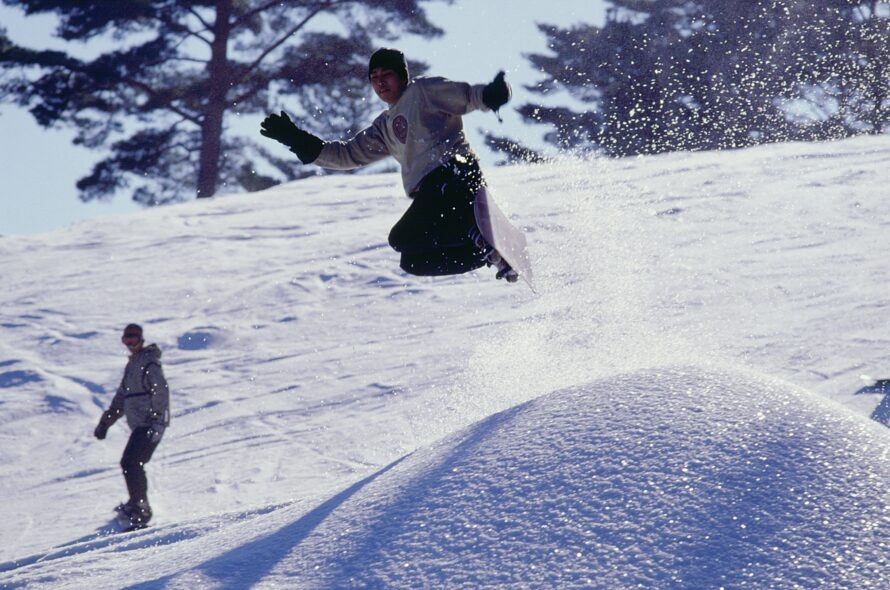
pixel 132 342
pixel 388 85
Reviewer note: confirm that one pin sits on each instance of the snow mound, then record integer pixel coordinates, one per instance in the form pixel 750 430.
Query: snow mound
pixel 680 478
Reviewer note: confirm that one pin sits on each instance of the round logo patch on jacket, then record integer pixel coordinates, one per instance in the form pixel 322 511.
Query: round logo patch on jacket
pixel 400 128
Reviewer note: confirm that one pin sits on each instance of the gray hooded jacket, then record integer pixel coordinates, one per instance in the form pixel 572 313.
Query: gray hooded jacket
pixel 143 396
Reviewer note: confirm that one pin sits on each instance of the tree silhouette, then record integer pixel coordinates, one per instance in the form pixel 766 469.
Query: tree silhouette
pixel 162 99
pixel 709 74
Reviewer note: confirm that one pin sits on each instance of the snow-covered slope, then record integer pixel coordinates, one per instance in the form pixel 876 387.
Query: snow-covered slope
pixel 686 302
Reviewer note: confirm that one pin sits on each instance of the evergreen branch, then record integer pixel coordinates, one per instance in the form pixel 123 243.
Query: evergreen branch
pixel 197 15
pixel 252 13
pixel 162 103
pixel 194 60
pixel 256 63
pixel 250 92
pixel 178 27
pixel 189 149
pixel 247 16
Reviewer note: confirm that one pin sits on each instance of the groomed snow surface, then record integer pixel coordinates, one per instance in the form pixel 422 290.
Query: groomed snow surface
pixel 680 405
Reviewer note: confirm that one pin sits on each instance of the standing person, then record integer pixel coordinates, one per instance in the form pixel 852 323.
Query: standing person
pixel 423 130
pixel 144 398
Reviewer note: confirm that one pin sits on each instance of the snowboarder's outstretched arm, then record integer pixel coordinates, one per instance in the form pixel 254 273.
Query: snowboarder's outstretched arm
pixel 365 148
pixel 280 128
pixel 110 416
pixel 497 93
pixel 460 98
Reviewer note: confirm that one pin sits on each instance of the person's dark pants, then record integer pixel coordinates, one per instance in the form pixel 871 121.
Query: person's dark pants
pixel 433 234
pixel 137 453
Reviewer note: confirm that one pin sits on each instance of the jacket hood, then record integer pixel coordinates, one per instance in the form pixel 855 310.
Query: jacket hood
pixel 152 351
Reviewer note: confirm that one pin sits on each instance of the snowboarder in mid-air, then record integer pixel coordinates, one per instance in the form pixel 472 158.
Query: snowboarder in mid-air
pixel 423 130
pixel 144 398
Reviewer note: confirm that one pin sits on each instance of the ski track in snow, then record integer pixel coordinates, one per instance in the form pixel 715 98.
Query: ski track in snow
pixel 311 379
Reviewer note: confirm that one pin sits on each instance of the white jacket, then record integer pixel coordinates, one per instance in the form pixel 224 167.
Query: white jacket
pixel 421 131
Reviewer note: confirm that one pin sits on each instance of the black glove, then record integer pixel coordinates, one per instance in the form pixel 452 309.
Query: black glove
pixel 101 431
pixel 282 129
pixel 496 93
pixel 155 432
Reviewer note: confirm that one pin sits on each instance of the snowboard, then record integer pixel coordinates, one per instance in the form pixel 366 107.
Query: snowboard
pixel 506 238
pixel 123 522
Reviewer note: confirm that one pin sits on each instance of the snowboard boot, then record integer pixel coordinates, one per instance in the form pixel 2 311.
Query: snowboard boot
pixel 134 516
pixel 492 257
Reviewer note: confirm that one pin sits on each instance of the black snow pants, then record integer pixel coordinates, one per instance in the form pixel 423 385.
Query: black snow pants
pixel 433 234
pixel 137 453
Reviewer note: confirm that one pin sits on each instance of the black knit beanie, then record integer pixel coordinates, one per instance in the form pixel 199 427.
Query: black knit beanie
pixel 133 330
pixel 389 59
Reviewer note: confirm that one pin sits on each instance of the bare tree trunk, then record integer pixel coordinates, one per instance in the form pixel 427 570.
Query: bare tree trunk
pixel 212 122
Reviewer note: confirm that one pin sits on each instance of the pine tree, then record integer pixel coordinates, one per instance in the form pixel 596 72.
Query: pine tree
pixel 709 74
pixel 846 82
pixel 162 99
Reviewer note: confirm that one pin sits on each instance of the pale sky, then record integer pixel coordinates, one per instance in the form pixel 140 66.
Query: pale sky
pixel 39 167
